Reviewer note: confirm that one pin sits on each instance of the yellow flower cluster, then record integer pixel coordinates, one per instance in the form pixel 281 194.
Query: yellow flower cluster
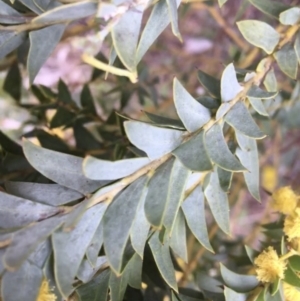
pixel 291 293
pixel 292 225
pixel 45 293
pixel 284 200
pixel 269 267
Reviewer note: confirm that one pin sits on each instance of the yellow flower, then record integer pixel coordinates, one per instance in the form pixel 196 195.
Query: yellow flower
pixel 292 225
pixel 284 200
pixel 295 244
pixel 269 177
pixel 45 293
pixel 268 266
pixel 291 293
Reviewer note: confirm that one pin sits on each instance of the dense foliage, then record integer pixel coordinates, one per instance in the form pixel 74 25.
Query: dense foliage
pixel 112 216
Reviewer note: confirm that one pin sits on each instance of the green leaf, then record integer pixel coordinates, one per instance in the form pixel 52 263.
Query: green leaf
pixel 93 249
pixel 229 84
pixel 218 202
pixel 189 110
pixel 178 238
pixel 231 295
pixel 294 262
pixel 240 119
pixel 209 102
pixel 258 93
pixel 179 176
pixel 42 44
pixel 259 34
pixel 96 289
pixel 139 229
pixel 211 84
pixel 9 41
pixel 162 257
pixel 49 194
pixel 287 60
pixel 291 277
pixel 193 154
pixel 17 212
pixel 222 2
pixel 32 6
pixel 218 150
pixel 25 241
pixel 225 178
pixel 156 199
pixel 64 94
pixel 10 15
pixel 118 220
pixel 63 169
pixel 155 25
pixel 172 6
pixel 70 247
pixel 62 117
pixel 97 169
pixel 290 16
pixel 248 155
pixel 165 121
pixel 194 211
pixel 237 282
pixel 297 47
pixel 270 7
pixel 87 100
pixel 86 272
pixel 155 141
pixel 258 106
pixel 68 12
pixel 125 36
pixel 13 82
pixel 27 280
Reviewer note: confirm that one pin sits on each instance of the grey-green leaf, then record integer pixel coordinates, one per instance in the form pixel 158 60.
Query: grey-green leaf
pixel 157 195
pixel 248 155
pixel 86 272
pixel 287 60
pixel 211 84
pixel 27 239
pixel 28 280
pixel 125 36
pixel 172 5
pixel 42 44
pixel 70 247
pixel 93 249
pixel 218 150
pixel 98 169
pixel 258 106
pixel 259 34
pixel 63 169
pixel 156 23
pixel 96 289
pixel 193 154
pixel 229 84
pixel 155 141
pixel 68 12
pixel 231 295
pixel 9 41
pixel 49 194
pixel 133 271
pixel 165 121
pixel 237 282
pixel 162 257
pixel 270 7
pixel 256 92
pixel 290 16
pixel 193 114
pixel 118 220
pixel 179 176
pixel 218 202
pixel 10 15
pixel 297 47
pixel 139 229
pixel 178 238
pixel 225 178
pixel 240 119
pixel 117 286
pixel 17 212
pixel 194 211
